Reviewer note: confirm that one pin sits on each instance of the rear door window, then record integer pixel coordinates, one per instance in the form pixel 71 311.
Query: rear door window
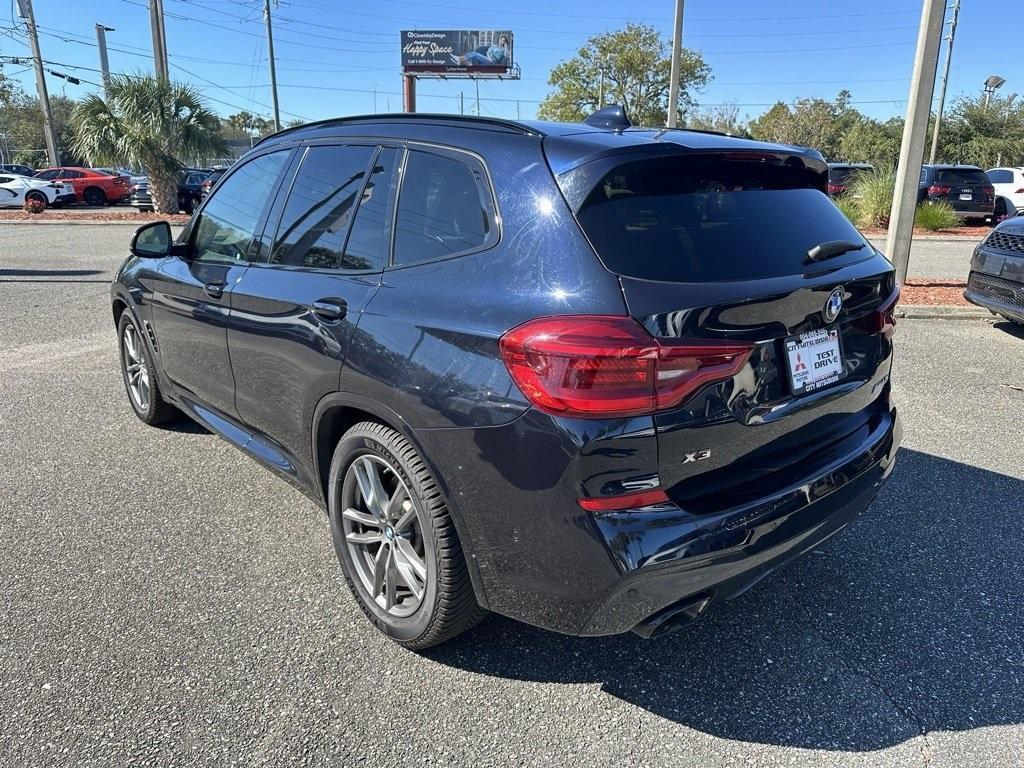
pixel 712 217
pixel 444 208
pixel 370 237
pixel 1000 177
pixel 320 206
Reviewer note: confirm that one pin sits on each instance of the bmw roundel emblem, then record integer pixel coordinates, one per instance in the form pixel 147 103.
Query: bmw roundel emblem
pixel 833 306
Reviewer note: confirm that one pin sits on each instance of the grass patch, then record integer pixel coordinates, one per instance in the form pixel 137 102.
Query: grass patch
pixel 936 216
pixel 871 193
pixel 848 206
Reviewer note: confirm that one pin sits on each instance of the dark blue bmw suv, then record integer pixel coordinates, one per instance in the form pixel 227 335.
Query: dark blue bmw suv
pixel 589 376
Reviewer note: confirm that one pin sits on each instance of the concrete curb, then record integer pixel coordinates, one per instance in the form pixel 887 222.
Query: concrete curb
pixel 942 312
pixel 934 238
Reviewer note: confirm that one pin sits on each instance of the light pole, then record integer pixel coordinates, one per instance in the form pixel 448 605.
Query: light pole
pixel 101 43
pixel 677 54
pixel 991 84
pixel 945 80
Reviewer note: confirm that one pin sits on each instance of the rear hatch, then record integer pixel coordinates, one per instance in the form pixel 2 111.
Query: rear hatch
pixel 966 189
pixel 714 247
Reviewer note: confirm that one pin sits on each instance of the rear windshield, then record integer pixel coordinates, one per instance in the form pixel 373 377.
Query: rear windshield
pixel 961 176
pixel 844 175
pixel 709 218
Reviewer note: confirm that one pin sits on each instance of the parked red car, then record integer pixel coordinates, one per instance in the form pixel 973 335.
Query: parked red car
pixel 91 186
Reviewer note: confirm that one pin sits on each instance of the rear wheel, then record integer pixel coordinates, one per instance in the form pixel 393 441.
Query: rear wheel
pixel 94 196
pixel 1000 211
pixel 396 541
pixel 140 375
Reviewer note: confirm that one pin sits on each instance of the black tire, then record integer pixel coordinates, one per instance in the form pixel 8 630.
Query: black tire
pixel 188 206
pixel 39 196
pixel 156 410
pixel 94 196
pixel 1000 210
pixel 448 606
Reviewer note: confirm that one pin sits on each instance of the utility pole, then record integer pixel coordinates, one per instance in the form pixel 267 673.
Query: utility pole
pixel 101 43
pixel 156 23
pixel 25 6
pixel 600 88
pixel 945 79
pixel 677 55
pixel 273 68
pixel 915 133
pixel 462 107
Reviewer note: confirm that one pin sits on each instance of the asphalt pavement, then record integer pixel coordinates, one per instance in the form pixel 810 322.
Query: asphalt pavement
pixel 168 602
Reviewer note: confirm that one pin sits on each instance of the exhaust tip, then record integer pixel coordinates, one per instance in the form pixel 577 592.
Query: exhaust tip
pixel 673 617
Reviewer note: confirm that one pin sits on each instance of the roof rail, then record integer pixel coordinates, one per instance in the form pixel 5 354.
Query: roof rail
pixel 411 117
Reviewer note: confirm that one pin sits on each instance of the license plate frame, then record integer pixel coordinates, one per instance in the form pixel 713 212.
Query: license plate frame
pixel 805 343
pixel 966 196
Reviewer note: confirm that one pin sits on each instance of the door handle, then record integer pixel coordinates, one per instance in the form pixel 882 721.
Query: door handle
pixel 331 310
pixel 214 290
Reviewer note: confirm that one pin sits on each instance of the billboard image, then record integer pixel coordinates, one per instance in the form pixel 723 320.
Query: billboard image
pixel 455 51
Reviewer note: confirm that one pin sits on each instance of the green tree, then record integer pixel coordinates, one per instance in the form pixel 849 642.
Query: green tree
pixel 813 123
pixel 149 123
pixel 249 124
pixel 21 123
pixel 722 117
pixel 872 141
pixel 983 135
pixel 636 66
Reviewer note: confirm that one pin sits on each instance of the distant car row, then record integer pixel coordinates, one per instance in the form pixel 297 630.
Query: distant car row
pixel 96 186
pixel 970 191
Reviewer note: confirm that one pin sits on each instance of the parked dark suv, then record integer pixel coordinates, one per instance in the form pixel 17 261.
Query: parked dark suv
pixel 587 376
pixel 965 187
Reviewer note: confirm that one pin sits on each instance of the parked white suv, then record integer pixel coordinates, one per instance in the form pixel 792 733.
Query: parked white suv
pixel 1009 186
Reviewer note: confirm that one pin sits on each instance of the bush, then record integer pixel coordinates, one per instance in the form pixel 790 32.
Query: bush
pixel 872 194
pixel 848 206
pixel 34 206
pixel 934 216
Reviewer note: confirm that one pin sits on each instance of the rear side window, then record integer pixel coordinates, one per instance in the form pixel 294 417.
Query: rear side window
pixel 1000 177
pixel 228 223
pixel 320 206
pixel 705 218
pixel 368 242
pixel 48 175
pixel 444 208
pixel 961 176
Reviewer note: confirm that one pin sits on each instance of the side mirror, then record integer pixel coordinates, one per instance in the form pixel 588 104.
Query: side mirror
pixel 152 241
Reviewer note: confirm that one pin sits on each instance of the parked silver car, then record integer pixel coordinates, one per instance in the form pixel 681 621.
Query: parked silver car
pixel 996 281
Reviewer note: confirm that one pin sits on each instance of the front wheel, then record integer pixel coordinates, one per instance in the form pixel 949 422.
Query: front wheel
pixel 140 375
pixel 395 539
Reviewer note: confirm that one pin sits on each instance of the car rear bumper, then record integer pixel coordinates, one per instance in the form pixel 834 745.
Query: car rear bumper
pixel 66 198
pixel 535 555
pixel 674 564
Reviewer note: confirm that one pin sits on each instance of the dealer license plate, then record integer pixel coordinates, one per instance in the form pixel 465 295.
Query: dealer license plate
pixel 966 196
pixel 815 360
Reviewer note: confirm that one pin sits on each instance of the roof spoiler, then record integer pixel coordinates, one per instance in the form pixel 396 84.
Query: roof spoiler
pixel 611 118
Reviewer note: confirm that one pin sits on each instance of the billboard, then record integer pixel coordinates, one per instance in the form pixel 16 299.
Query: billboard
pixel 453 51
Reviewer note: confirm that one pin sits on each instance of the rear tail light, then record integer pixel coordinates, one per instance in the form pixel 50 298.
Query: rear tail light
pixel 836 189
pixel 601 366
pixel 1019 191
pixel 206 184
pixel 938 189
pixel 883 319
pixel 625 501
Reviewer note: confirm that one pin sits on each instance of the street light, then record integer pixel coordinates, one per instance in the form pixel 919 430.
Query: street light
pixel 991 83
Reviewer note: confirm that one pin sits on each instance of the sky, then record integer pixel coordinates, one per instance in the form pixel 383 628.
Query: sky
pixel 341 57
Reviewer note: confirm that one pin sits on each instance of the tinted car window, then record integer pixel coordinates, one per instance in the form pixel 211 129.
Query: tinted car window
pixel 367 246
pixel 711 218
pixel 960 176
pixel 72 175
pixel 1000 177
pixel 441 210
pixel 226 226
pixel 320 205
pixel 47 175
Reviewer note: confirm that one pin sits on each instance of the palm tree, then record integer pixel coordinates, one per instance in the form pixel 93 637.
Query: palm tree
pixel 150 123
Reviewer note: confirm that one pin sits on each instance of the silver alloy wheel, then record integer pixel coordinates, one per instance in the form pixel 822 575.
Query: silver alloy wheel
pixel 383 535
pixel 135 367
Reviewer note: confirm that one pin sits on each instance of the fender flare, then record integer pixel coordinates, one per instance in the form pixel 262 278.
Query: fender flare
pixel 336 400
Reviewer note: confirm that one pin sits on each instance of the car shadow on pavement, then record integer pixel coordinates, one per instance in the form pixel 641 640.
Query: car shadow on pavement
pixel 1014 329
pixel 907 622
pixel 49 275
